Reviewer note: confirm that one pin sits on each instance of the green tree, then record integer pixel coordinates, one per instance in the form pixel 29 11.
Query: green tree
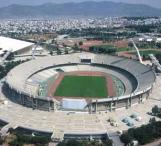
pixel 126 138
pixel 1 141
pixel 51 53
pixel 66 51
pixel 152 120
pixel 75 47
pixel 155 110
pixel 58 52
pixel 80 43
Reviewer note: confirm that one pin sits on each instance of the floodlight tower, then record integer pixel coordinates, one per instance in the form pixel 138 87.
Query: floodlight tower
pixel 137 50
pixel 34 49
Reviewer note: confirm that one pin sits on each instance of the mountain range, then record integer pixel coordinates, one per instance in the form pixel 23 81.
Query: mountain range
pixel 90 8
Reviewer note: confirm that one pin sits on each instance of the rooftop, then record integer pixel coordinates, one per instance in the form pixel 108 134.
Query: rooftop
pixel 9 44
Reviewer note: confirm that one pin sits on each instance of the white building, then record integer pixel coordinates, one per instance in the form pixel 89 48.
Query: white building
pixel 14 45
pixel 141 39
pixel 158 40
pixel 149 40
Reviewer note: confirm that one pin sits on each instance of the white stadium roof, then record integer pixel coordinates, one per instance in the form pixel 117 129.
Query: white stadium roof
pixel 7 44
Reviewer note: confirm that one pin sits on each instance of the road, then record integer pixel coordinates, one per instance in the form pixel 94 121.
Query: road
pixel 116 139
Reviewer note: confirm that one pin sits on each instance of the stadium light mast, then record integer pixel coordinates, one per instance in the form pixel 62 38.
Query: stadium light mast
pixel 34 49
pixel 137 50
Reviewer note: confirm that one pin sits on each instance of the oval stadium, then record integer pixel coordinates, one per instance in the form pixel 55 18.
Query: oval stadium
pixel 79 82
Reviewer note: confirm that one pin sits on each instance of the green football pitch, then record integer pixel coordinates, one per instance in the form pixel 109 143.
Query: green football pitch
pixel 82 86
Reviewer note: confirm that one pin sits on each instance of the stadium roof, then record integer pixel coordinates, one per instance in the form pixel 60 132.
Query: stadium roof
pixel 8 44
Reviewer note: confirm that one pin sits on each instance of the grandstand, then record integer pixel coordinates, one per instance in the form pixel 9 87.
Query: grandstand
pixel 36 78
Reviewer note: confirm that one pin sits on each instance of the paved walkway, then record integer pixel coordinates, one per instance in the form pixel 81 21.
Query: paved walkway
pixel 116 139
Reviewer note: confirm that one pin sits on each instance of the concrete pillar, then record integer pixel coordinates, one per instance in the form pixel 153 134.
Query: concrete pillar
pixel 147 94
pixel 111 106
pixel 54 106
pixel 90 108
pixel 49 106
pixel 33 107
pixel 107 106
pixel 151 90
pixel 116 104
pixel 96 106
pixel 13 94
pixel 127 103
pixel 22 99
pixel 130 101
pixel 8 89
pixel 141 98
pixel 36 103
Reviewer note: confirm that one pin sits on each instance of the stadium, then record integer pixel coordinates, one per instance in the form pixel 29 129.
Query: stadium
pixel 79 82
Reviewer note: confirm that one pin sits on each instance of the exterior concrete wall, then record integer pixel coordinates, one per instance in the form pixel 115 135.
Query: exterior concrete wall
pixel 46 105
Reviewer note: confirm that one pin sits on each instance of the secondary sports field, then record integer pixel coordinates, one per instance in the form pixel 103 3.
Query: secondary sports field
pixel 82 86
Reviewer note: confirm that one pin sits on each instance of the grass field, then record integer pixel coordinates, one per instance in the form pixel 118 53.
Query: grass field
pixel 146 53
pixel 82 86
pixel 123 49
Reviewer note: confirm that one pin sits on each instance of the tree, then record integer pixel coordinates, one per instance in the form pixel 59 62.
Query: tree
pixel 152 120
pixel 1 141
pixel 64 45
pixel 73 143
pixel 158 56
pixel 108 143
pixel 144 134
pixel 130 44
pixel 58 52
pixel 66 51
pixel 75 47
pixel 61 144
pixel 70 143
pixel 85 143
pixel 126 138
pixel 51 53
pixel 8 66
pixel 80 43
pixel 155 110
pixel 107 49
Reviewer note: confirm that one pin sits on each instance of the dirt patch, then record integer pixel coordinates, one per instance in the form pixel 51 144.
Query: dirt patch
pixel 121 44
pixel 87 44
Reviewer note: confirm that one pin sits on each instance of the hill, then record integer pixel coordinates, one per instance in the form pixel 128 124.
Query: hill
pixel 90 8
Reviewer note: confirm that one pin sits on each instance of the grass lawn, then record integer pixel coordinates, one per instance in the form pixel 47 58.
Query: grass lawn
pixel 82 86
pixel 123 49
pixel 146 53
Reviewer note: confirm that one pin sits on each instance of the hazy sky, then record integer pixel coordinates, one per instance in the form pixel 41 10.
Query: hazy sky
pixel 154 3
